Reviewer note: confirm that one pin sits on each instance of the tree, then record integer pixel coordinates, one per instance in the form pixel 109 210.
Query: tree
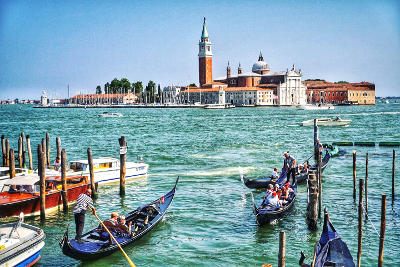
pixel 125 85
pixel 342 82
pixel 150 90
pixel 192 85
pixel 107 88
pixel 137 87
pixel 115 86
pixel 159 93
pixel 98 89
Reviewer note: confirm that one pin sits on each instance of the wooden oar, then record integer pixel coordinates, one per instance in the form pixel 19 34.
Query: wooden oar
pixel 116 242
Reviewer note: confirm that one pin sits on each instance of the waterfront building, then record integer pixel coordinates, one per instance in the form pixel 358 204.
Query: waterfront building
pixel 362 93
pixel 43 99
pixel 104 99
pixel 260 87
pixel 171 95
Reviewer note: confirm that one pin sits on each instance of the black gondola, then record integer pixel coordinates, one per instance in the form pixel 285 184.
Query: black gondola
pixel 267 213
pixel 96 243
pixel 331 250
pixel 264 182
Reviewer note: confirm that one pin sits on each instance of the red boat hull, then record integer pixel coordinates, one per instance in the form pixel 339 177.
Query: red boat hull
pixel 14 204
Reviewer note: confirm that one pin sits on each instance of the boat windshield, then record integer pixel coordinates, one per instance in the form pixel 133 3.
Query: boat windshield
pixel 77 166
pixel 21 188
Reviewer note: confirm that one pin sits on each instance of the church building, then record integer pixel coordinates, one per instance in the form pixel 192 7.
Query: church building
pixel 260 87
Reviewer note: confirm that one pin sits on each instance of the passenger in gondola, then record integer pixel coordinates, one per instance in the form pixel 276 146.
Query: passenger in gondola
pixel 274 175
pixel 274 201
pixel 112 223
pixel 123 227
pixel 289 164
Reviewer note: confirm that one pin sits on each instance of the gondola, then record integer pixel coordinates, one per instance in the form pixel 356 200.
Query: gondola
pixel 96 243
pixel 266 214
pixel 264 182
pixel 331 250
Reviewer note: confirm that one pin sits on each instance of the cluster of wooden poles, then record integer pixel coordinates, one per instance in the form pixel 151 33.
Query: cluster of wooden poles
pixel 314 206
pixel 43 152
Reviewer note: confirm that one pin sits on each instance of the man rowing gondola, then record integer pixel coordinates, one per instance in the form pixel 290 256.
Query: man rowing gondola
pixel 289 164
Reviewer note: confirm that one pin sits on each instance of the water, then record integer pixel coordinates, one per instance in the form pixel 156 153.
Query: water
pixel 210 222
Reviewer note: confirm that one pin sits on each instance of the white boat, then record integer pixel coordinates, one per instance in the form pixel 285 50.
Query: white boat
pixel 316 107
pixel 218 106
pixel 107 170
pixel 20 243
pixel 111 115
pixel 5 174
pixel 327 122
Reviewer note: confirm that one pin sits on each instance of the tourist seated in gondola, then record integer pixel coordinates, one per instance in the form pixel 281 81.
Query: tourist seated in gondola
pixel 274 175
pixel 269 193
pixel 274 201
pixel 122 227
pixel 112 223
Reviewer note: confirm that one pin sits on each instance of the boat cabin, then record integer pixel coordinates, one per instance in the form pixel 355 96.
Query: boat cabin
pixel 31 184
pixel 5 171
pixel 100 163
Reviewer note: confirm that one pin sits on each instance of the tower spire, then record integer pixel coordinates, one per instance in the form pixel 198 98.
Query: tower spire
pixel 204 33
pixel 260 57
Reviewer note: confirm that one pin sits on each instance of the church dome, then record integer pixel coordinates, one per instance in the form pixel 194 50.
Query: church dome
pixel 260 67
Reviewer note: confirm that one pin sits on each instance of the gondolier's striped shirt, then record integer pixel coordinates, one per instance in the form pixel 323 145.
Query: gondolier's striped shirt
pixel 82 203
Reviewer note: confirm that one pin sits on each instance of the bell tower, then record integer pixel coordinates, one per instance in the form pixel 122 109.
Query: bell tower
pixel 205 57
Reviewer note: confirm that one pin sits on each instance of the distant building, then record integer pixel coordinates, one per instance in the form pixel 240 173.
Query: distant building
pixel 362 93
pixel 258 87
pixel 43 99
pixel 104 99
pixel 172 95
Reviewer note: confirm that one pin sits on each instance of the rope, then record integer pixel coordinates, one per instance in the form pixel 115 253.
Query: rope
pixel 373 226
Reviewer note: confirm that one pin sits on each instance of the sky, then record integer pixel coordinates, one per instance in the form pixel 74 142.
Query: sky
pixel 48 45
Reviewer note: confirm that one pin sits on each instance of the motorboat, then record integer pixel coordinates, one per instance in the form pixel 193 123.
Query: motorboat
pixel 5 174
pixel 110 115
pixel 316 107
pixel 327 122
pixel 22 194
pixel 107 169
pixel 20 243
pixel 218 106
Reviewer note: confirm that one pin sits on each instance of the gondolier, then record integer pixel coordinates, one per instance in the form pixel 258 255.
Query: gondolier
pixel 82 203
pixel 318 149
pixel 289 164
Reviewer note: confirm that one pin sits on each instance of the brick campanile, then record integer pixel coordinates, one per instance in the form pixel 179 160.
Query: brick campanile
pixel 205 57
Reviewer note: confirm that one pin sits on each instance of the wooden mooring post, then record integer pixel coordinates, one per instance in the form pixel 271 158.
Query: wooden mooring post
pixel 7 152
pixel 64 192
pixel 23 150
pixel 393 173
pixel 282 249
pixel 12 163
pixel 366 186
pixel 360 222
pixel 20 164
pixel 319 169
pixel 91 173
pixel 58 145
pixel 354 175
pixel 28 147
pixel 42 175
pixel 44 150
pixel 3 150
pixel 312 185
pixel 47 151
pixel 316 136
pixel 122 155
pixel 383 229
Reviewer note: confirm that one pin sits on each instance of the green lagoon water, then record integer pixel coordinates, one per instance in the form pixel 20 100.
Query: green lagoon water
pixel 210 222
